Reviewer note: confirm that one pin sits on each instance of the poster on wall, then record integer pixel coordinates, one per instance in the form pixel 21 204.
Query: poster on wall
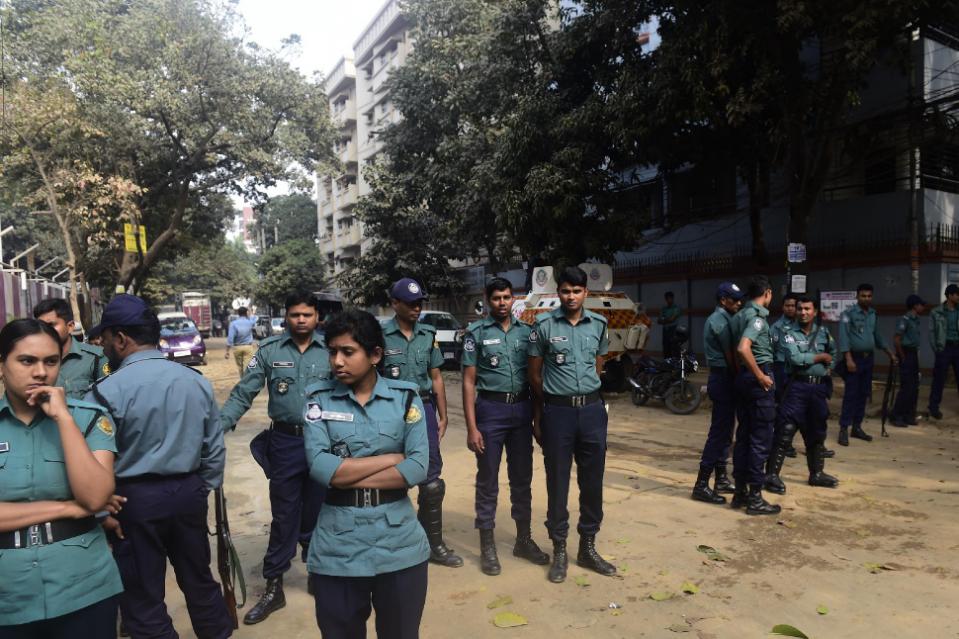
pixel 833 303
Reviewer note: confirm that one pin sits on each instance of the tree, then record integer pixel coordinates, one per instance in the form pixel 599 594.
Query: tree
pixel 286 217
pixel 295 265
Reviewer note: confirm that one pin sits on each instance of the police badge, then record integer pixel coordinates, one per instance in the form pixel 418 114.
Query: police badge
pixel 560 358
pixel 393 372
pixel 494 361
pixel 283 387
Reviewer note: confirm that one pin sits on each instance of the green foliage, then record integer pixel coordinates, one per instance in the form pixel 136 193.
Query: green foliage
pixel 295 265
pixel 286 217
pixel 225 271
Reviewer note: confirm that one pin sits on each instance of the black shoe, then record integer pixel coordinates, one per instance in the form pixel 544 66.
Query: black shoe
pixel 722 485
pixel 557 571
pixel 756 505
pixel 791 452
pixel 740 495
pixel 843 439
pixel 272 600
pixel 702 491
pixel 526 548
pixel 899 423
pixel 859 433
pixel 489 561
pixel 912 420
pixel 430 514
pixel 782 442
pixel 588 557
pixel 816 464
pixel 774 484
pixel 935 413
pixel 828 454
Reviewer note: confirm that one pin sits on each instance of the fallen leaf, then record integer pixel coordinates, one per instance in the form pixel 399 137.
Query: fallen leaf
pixel 622 541
pixel 509 620
pixel 661 596
pixel 787 524
pixel 663 573
pixel 500 601
pixel 461 596
pixel 785 630
pixel 705 549
pixel 582 581
pixel 679 627
pixel 821 609
pixel 877 568
pixel 617 613
pixel 690 588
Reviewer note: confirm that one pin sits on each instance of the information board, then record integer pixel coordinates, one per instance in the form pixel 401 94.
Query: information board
pixel 833 303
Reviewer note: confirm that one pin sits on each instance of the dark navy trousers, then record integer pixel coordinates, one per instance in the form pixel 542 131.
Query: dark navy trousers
pixel 96 621
pixel 908 396
pixel 779 376
pixel 433 436
pixel 508 426
pixel 858 387
pixel 574 433
pixel 166 518
pixel 295 501
pixel 945 359
pixel 756 410
pixel 343 604
pixel 806 406
pixel 722 393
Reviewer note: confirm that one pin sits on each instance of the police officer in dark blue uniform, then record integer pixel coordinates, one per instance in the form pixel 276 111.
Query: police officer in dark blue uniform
pixel 718 347
pixel 906 341
pixel 496 404
pixel 170 456
pixel 570 420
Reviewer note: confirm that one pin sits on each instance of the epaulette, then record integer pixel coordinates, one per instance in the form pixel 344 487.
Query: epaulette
pixel 595 315
pixel 322 385
pixel 79 403
pixel 542 317
pixel 401 384
pixel 90 348
pixel 472 326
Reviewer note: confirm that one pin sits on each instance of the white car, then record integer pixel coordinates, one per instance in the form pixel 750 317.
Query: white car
pixel 449 334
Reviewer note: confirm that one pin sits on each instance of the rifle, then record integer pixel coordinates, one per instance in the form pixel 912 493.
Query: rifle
pixel 227 560
pixel 889 395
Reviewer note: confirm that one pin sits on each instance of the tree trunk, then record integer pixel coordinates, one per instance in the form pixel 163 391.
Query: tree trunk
pixel 135 264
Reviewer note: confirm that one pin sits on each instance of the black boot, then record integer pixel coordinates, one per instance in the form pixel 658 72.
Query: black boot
pixel 756 505
pixel 702 491
pixel 740 495
pixel 859 433
pixel 430 514
pixel 557 571
pixel 722 485
pixel 526 548
pixel 272 600
pixel 588 557
pixel 815 462
pixel 843 436
pixel 828 454
pixel 489 562
pixel 774 464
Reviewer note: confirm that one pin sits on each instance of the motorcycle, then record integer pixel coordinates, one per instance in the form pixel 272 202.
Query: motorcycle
pixel 666 380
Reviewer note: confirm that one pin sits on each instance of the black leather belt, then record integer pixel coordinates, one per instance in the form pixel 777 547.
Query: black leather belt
pixel 811 379
pixel 951 343
pixel 866 354
pixel 363 497
pixel 575 401
pixel 505 398
pixel 151 477
pixel 426 396
pixel 46 533
pixel 287 428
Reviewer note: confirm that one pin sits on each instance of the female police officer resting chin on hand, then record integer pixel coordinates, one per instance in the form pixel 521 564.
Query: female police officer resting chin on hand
pixel 57 577
pixel 366 440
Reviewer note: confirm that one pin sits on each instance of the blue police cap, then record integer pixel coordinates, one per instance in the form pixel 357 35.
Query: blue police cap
pixel 730 290
pixel 123 310
pixel 407 290
pixel 912 300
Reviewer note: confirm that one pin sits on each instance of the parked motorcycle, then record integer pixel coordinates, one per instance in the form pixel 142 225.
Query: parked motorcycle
pixel 666 380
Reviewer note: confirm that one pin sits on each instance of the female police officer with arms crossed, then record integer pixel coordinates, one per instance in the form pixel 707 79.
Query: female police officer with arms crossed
pixel 366 440
pixel 57 578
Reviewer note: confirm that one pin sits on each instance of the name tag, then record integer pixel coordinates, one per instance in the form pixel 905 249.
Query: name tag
pixel 336 417
pixel 4 447
pixel 283 364
pixel 393 351
pixel 489 342
pixel 559 338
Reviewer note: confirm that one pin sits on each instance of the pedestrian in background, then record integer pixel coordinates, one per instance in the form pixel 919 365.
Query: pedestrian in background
pixel 239 337
pixel 669 320
pixel 906 341
pixel 944 336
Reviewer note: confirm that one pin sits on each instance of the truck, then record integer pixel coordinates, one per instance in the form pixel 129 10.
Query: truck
pixel 197 306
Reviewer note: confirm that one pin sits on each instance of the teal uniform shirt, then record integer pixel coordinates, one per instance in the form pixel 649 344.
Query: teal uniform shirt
pixel 952 325
pixel 776 332
pixel 751 323
pixel 363 542
pixel 859 331
pixel 569 352
pixel 500 357
pixel 166 417
pixel 800 350
pixel 670 314
pixel 718 338
pixel 908 329
pixel 42 582
pixel 83 365
pixel 287 373
pixel 411 359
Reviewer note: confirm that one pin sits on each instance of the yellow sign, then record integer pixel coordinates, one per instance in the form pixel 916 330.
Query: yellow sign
pixel 130 238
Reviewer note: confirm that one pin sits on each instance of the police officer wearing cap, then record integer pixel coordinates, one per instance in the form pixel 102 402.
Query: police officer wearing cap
pixel 944 336
pixel 566 352
pixel 498 411
pixel 412 355
pixel 171 455
pixel 810 354
pixel 718 347
pixel 859 337
pixel 906 342
pixel 287 364
pixel 82 363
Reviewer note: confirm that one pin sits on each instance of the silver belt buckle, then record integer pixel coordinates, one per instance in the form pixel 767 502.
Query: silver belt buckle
pixel 33 535
pixel 510 398
pixel 367 495
pixel 578 401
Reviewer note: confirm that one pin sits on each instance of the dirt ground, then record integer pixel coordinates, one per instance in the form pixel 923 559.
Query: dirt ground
pixel 876 557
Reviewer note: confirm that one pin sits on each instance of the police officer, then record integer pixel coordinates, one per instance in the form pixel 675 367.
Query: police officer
pixel 239 337
pixel 286 364
pixel 82 363
pixel 718 347
pixel 810 353
pixel 366 440
pixel 669 319
pixel 412 355
pixel 906 341
pixel 171 454
pixel 944 336
pixel 566 353
pixel 859 337
pixel 496 404
pixel 776 330
pixel 57 580
pixel 756 405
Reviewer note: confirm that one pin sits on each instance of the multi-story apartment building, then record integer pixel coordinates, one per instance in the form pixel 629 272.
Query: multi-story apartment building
pixel 361 106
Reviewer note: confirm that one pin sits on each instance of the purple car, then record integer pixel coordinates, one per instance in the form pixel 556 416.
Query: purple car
pixel 181 341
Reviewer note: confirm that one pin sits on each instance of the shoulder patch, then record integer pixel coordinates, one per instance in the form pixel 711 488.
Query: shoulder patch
pixel 105 426
pixel 469 344
pixel 533 336
pixel 845 318
pixel 758 323
pixel 253 363
pixel 789 339
pixel 413 415
pixel 313 412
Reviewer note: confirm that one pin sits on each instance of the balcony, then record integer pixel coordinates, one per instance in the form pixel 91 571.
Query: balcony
pixel 347 197
pixel 347 153
pixel 345 116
